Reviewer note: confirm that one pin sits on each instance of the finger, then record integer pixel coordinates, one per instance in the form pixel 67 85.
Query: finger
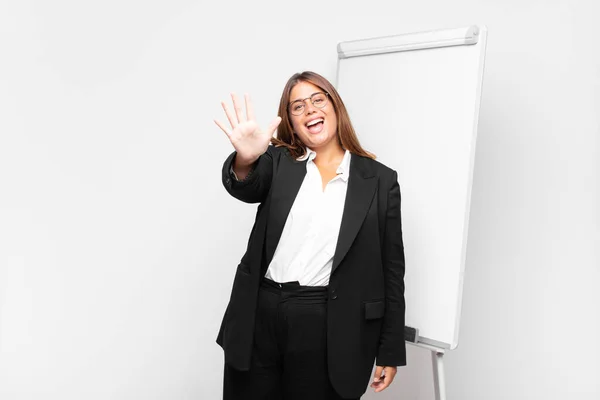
pixel 230 116
pixel 273 125
pixel 377 374
pixel 223 127
pixel 382 386
pixel 388 378
pixel 249 107
pixel 237 105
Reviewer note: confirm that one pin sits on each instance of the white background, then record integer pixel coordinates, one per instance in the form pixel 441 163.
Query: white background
pixel 118 242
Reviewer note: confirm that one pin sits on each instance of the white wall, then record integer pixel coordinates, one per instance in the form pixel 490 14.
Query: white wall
pixel 115 262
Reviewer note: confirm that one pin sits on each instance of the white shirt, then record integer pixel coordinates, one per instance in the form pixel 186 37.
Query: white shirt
pixel 309 238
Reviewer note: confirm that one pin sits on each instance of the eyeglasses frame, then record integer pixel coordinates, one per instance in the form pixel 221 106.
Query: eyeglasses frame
pixel 303 101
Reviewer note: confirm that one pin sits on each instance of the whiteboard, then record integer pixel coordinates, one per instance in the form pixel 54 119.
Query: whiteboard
pixel 414 102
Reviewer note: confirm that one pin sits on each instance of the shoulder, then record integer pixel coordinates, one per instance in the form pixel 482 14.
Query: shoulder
pixel 374 167
pixel 271 155
pixel 277 151
pixel 281 154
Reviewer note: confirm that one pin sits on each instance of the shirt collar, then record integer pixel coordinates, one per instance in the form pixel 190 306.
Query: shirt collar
pixel 344 168
pixel 309 155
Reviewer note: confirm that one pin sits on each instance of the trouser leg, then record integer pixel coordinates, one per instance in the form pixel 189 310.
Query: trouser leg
pixel 289 358
pixel 305 370
pixel 263 380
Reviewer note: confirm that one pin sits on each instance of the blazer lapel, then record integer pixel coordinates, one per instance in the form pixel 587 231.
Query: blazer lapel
pixel 361 190
pixel 286 184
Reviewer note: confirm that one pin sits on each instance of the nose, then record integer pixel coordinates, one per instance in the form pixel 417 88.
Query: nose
pixel 309 108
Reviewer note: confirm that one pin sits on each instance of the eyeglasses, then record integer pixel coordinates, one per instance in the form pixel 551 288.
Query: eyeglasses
pixel 318 100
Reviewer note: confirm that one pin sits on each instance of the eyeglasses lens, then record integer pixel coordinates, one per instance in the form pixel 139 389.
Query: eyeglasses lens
pixel 318 100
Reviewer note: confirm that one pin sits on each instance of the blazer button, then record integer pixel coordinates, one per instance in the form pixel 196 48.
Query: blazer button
pixel 333 297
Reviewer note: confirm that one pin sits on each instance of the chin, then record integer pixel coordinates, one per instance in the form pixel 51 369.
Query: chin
pixel 315 142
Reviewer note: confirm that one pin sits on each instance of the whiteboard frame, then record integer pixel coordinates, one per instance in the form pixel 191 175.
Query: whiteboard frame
pixel 407 42
pixel 473 35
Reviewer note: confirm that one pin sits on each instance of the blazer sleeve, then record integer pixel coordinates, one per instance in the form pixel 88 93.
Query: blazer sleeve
pixel 255 187
pixel 392 348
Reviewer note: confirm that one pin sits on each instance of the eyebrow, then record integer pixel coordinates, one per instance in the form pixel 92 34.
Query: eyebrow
pixel 292 101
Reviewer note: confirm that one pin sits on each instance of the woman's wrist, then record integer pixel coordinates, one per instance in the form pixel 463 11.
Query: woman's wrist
pixel 242 168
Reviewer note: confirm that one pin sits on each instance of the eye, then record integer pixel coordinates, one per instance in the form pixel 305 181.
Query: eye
pixel 297 107
pixel 319 100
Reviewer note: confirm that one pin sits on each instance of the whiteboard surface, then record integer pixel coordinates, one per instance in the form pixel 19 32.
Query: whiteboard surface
pixel 417 111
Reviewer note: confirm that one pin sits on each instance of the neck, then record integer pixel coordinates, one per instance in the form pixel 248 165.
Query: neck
pixel 329 155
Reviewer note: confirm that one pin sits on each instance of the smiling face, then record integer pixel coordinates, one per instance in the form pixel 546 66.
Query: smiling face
pixel 316 127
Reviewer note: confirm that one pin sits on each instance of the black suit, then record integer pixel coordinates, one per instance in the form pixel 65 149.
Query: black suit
pixel 365 317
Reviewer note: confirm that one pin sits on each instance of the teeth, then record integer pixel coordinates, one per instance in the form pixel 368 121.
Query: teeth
pixel 311 123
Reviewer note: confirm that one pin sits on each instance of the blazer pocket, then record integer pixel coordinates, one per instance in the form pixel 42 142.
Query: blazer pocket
pixel 374 309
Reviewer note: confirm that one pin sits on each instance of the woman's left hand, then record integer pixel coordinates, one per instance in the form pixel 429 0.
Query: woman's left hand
pixel 383 377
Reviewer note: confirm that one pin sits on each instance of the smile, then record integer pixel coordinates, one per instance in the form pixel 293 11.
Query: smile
pixel 315 126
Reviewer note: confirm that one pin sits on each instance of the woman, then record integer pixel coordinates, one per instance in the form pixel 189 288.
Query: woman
pixel 319 293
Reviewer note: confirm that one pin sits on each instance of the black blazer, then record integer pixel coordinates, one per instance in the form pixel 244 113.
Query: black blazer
pixel 365 317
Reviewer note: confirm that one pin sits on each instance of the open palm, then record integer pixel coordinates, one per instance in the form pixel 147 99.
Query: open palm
pixel 249 141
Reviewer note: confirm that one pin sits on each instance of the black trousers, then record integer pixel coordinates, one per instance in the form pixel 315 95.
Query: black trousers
pixel 289 358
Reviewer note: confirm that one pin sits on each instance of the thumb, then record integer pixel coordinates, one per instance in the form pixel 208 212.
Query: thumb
pixel 377 374
pixel 273 125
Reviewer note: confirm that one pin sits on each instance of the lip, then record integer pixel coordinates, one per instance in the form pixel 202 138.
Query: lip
pixel 313 119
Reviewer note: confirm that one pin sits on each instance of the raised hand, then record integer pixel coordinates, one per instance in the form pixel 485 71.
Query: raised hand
pixel 249 141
